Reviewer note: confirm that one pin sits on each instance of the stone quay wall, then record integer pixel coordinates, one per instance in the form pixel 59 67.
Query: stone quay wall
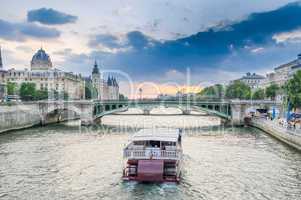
pixel 14 117
pixel 286 136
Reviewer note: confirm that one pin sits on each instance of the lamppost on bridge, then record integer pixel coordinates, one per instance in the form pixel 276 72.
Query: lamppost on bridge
pixel 140 93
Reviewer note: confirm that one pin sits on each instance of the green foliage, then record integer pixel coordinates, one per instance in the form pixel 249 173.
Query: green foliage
pixel 28 91
pixel 238 90
pixel 294 90
pixel 258 94
pixel 122 97
pixel 215 91
pixel 271 91
pixel 88 92
pixel 64 95
pixel 41 95
pixel 11 88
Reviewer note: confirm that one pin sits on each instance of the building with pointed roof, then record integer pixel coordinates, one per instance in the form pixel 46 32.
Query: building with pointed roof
pixel 106 89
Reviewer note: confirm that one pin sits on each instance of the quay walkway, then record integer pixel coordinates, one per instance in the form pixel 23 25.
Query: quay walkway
pixel 289 136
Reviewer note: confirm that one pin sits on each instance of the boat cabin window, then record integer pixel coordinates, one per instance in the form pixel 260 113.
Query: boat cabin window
pixel 139 143
pixel 154 143
pixel 151 143
pixel 168 144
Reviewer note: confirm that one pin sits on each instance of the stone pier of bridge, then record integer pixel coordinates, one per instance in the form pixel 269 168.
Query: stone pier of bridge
pixel 16 115
pixel 239 109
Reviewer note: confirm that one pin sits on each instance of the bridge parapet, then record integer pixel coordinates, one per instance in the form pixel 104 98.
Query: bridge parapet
pixel 89 111
pixel 55 111
pixel 239 108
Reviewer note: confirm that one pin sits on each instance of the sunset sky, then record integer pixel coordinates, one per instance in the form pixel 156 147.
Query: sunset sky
pixel 166 44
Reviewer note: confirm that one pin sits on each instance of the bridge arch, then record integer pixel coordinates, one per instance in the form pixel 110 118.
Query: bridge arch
pixel 55 115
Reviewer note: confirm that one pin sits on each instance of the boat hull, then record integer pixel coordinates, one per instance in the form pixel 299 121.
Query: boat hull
pixel 151 170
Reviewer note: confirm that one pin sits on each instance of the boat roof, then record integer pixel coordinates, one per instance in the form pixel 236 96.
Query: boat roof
pixel 166 135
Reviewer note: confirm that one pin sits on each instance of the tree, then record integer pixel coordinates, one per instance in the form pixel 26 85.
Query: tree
pixel 258 94
pixel 238 90
pixel 11 88
pixel 88 92
pixel 293 87
pixel 215 91
pixel 122 97
pixel 28 91
pixel 271 91
pixel 41 95
pixel 64 95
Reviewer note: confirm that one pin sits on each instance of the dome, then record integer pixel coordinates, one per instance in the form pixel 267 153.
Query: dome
pixel 41 61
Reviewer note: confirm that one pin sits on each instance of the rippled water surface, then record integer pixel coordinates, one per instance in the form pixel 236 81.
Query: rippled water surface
pixel 67 162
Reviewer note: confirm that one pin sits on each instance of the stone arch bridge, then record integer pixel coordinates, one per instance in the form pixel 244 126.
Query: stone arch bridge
pixel 90 112
pixel 233 111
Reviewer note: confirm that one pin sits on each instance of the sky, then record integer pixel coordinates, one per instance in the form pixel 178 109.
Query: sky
pixel 160 45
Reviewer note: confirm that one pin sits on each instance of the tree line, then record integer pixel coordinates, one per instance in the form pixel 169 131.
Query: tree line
pixel 28 92
pixel 239 90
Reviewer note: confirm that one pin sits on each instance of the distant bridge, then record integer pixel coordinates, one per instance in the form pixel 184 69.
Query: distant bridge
pixel 233 111
pixel 90 112
pixel 219 108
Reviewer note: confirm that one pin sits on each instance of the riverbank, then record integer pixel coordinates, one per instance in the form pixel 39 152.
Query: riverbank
pixel 18 117
pixel 289 137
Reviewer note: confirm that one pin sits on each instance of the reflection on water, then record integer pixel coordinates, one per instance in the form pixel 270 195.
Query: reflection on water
pixel 68 162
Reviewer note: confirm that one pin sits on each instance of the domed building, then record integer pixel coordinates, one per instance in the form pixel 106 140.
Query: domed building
pixel 40 61
pixel 47 78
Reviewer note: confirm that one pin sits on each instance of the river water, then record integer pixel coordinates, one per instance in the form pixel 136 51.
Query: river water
pixel 66 161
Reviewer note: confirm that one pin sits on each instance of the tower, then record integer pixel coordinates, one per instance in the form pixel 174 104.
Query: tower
pixel 96 80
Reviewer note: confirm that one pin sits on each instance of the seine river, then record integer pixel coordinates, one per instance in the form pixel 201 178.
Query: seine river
pixel 65 161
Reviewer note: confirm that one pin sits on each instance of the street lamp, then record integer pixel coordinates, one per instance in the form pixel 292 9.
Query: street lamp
pixel 140 93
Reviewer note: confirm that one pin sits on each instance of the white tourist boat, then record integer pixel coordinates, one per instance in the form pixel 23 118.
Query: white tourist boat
pixel 153 155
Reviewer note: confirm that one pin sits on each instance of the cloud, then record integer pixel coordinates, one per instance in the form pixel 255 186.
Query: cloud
pixel 207 49
pixel 50 16
pixel 221 48
pixel 134 39
pixel 294 36
pixel 22 31
pixel 107 40
pixel 138 40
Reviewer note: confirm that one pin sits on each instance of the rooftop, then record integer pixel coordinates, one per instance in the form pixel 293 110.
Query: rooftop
pixel 252 76
pixel 162 134
pixel 290 64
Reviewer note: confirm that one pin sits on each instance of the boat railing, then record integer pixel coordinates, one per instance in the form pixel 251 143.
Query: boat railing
pixel 152 154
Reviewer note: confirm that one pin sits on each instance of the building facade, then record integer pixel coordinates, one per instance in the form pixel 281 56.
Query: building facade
pixel 3 91
pixel 283 72
pixel 46 77
pixel 106 89
pixel 253 80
